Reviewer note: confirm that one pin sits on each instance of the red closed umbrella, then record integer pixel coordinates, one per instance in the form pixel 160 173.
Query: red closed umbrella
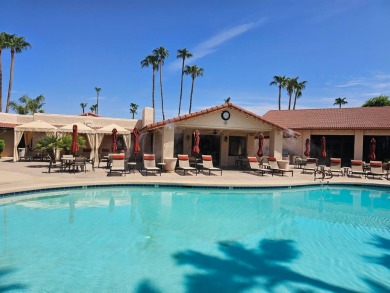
pixel 136 149
pixel 307 148
pixel 372 155
pixel 114 147
pixel 74 148
pixel 323 147
pixel 196 149
pixel 260 152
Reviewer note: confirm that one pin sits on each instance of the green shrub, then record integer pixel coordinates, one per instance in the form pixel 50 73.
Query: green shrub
pixel 2 145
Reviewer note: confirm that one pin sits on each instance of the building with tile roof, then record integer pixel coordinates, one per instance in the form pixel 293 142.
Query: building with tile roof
pixel 348 131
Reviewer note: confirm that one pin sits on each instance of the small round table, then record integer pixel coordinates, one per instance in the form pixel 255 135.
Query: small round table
pixel 131 166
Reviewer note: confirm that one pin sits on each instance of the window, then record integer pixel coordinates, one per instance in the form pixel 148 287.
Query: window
pixel 237 146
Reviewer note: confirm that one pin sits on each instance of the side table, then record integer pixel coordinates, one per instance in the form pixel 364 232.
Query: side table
pixel 131 166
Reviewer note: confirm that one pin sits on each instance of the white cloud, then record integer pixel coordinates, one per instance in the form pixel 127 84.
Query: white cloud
pixel 210 45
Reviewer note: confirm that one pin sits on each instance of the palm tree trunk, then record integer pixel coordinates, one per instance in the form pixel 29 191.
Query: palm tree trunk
pixel 162 95
pixel 11 75
pixel 97 104
pixel 181 85
pixel 280 95
pixel 1 83
pixel 153 82
pixel 295 102
pixel 289 102
pixel 192 91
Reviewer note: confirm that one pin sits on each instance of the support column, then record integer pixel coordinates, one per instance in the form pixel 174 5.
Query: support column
pixel 358 148
pixel 168 142
pixel 276 144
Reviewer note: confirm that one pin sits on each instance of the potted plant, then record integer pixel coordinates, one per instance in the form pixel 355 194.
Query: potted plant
pixel 65 143
pixel 2 146
pixel 47 143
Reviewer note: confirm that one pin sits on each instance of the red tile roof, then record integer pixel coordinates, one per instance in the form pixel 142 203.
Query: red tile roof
pixel 8 125
pixel 337 118
pixel 210 110
pixel 89 114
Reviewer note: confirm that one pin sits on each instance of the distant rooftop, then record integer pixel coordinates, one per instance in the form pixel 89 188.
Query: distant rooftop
pixel 332 118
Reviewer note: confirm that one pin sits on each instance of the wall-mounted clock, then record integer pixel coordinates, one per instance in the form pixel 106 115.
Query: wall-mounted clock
pixel 225 115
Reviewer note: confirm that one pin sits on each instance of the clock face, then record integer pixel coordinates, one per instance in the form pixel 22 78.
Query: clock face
pixel 225 115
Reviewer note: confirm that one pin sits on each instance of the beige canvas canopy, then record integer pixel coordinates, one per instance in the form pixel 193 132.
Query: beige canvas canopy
pixel 81 128
pixel 108 130
pixel 28 129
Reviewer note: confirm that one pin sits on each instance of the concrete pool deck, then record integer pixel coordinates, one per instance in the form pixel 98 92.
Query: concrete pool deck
pixel 26 176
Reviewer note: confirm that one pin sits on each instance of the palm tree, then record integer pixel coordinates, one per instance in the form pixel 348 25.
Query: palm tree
pixel 97 89
pixel 299 87
pixel 183 54
pixel 151 60
pixel 133 108
pixel 194 71
pixel 83 106
pixel 161 53
pixel 17 45
pixel 340 101
pixel 4 44
pixel 280 81
pixel 27 105
pixel 93 108
pixel 291 84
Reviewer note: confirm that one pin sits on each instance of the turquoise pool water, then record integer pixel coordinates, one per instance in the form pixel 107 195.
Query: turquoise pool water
pixel 146 239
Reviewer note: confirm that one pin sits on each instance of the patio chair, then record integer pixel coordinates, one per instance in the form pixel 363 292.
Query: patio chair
pixel 184 164
pixel 275 167
pixel 56 164
pixel 103 159
pixel 335 166
pixel 357 168
pixel 79 162
pixel 254 166
pixel 117 164
pixel 150 164
pixel 311 165
pixel 376 169
pixel 208 164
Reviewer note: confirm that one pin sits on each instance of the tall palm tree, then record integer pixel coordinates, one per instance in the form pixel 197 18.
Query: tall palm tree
pixel 299 87
pixel 194 71
pixel 280 81
pixel 17 45
pixel 151 60
pixel 133 108
pixel 183 54
pixel 161 53
pixel 4 44
pixel 340 101
pixel 97 89
pixel 290 87
pixel 83 106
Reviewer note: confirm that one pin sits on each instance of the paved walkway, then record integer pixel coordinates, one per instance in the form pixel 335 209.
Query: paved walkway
pixel 23 176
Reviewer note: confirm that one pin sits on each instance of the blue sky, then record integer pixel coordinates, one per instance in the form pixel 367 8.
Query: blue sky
pixel 341 47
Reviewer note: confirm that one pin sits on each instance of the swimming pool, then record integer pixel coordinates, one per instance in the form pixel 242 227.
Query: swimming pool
pixel 147 239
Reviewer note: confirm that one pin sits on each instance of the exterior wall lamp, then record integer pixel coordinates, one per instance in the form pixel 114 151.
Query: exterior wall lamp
pixel 226 138
pixel 188 137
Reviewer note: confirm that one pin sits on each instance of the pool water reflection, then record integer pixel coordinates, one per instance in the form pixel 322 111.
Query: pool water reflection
pixel 137 239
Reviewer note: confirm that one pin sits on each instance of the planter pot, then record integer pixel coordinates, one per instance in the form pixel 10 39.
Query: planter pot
pixel 170 164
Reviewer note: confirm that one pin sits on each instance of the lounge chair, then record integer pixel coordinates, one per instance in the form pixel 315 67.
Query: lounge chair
pixel 150 164
pixel 254 166
pixel 335 166
pixel 275 168
pixel 184 164
pixel 311 165
pixel 117 164
pixel 357 168
pixel 376 169
pixel 208 164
